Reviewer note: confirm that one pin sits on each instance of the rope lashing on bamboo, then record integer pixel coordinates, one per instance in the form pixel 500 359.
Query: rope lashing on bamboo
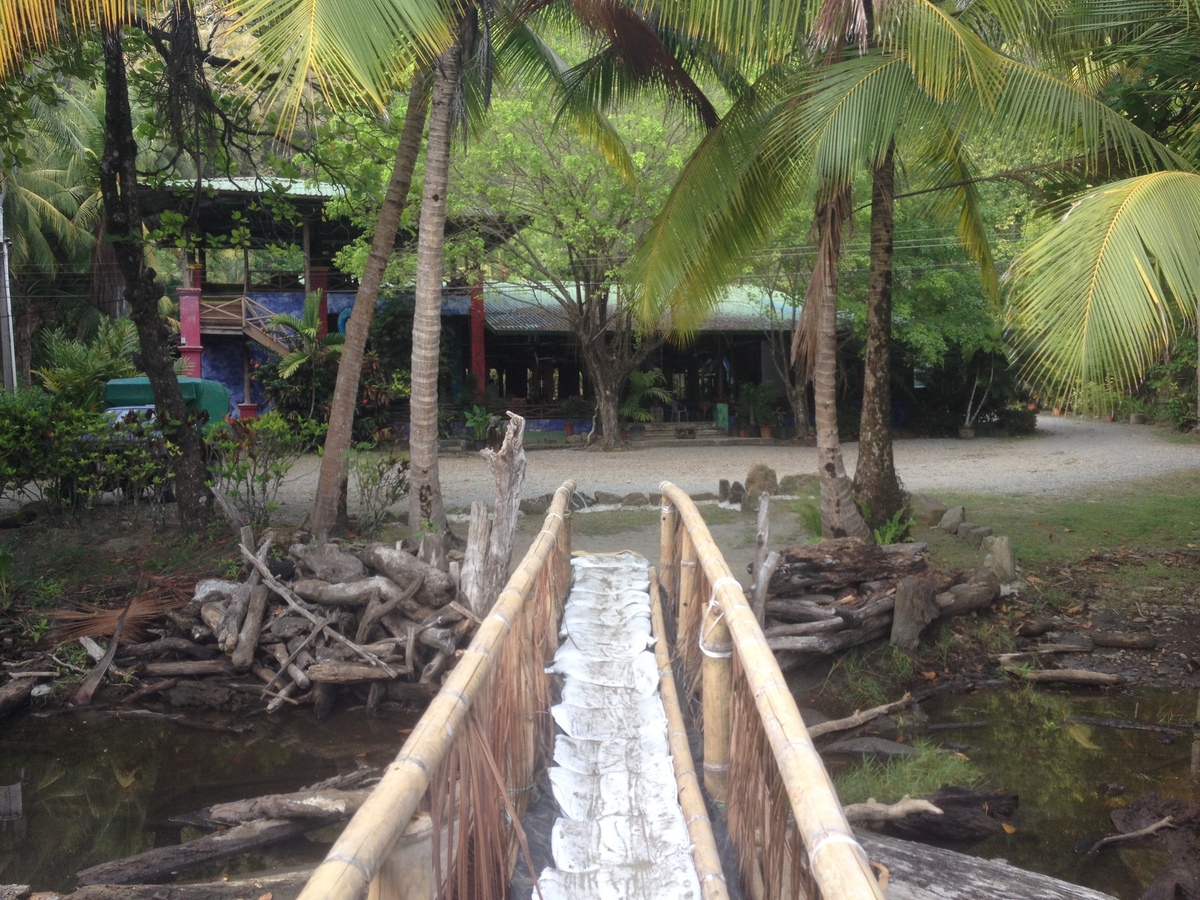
pixel 720 613
pixel 548 530
pixel 836 837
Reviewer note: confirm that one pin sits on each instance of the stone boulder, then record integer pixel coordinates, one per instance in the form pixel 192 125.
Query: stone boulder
pixel 608 498
pixel 637 498
pixel 761 479
pixel 1000 560
pixel 926 510
pixel 952 518
pixel 737 493
pixel 537 506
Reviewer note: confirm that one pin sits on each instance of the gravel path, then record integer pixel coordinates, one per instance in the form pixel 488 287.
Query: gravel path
pixel 1063 456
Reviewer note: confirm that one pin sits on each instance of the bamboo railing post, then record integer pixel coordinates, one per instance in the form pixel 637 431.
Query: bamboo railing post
pixel 369 837
pixel 717 647
pixel 687 588
pixel 668 523
pixel 835 859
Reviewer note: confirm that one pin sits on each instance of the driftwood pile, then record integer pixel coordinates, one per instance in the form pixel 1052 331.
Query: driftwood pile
pixel 319 620
pixel 824 598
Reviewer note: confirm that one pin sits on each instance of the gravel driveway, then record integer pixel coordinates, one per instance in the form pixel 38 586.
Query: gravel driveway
pixel 1064 454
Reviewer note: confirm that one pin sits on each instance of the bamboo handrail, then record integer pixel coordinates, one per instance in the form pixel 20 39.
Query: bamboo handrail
pixel 356 856
pixel 837 862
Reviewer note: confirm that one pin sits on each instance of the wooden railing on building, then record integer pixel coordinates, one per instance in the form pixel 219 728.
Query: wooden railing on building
pixel 786 825
pixel 473 756
pixel 223 314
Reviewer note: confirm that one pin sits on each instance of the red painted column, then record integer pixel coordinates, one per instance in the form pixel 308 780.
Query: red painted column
pixel 189 324
pixel 478 357
pixel 319 281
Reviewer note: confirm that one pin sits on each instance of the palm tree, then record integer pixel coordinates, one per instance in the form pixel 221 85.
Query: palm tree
pixel 1099 296
pixel 933 80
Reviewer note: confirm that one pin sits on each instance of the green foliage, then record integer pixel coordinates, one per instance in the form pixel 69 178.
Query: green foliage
pixel 253 456
pixel 925 771
pixel 809 514
pixel 757 404
pixel 308 393
pixel 644 386
pixel 6 561
pixel 381 478
pixel 895 529
pixel 476 419
pixel 76 371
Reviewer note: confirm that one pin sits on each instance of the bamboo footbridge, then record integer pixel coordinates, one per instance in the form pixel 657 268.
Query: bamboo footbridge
pixel 444 820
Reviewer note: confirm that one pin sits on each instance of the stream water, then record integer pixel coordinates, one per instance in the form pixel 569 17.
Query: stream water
pixel 96 788
pixel 1070 776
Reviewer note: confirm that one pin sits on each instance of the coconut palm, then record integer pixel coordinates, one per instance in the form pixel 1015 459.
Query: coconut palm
pixel 803 126
pixel 1099 296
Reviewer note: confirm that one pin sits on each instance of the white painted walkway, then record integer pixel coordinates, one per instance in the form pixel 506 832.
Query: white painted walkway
pixel 622 832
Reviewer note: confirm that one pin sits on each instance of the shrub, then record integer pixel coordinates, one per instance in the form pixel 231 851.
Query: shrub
pixel 253 456
pixel 381 479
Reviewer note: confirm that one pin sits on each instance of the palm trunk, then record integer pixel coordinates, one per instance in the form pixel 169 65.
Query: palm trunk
pixel 332 476
pixel 425 490
pixel 123 223
pixel 839 515
pixel 875 482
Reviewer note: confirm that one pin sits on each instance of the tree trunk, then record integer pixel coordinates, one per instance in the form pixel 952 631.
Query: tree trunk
pixel 425 490
pixel 123 224
pixel 345 392
pixel 875 481
pixel 839 515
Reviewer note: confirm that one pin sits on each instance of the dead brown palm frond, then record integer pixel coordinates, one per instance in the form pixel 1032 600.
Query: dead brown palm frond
pixel 94 621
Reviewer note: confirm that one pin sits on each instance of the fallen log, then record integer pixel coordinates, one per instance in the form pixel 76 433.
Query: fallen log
pixel 1166 822
pixel 828 644
pixel 156 863
pixel 964 815
pixel 317 806
pixel 1122 640
pixel 798 629
pixel 874 811
pixel 219 666
pixel 332 671
pixel 437 588
pixel 1064 676
pixel 247 642
pixel 277 885
pixel 969 597
pixel 800 609
pixel 922 872
pixel 280 652
pixel 391 602
pixel 230 626
pixel 841 562
pixel 1131 726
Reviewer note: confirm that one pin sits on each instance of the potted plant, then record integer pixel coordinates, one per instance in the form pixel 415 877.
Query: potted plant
pixel 574 407
pixel 643 387
pixel 756 406
pixel 476 419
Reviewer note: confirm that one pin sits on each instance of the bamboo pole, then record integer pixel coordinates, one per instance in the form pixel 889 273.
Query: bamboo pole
pixel 668 524
pixel 717 666
pixel 704 845
pixel 688 570
pixel 356 856
pixel 838 863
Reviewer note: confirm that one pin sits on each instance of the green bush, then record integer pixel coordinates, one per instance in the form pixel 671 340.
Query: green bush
pixel 308 392
pixel 253 456
pixel 381 478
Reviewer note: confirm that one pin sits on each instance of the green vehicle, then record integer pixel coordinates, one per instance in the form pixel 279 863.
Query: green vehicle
pixel 208 398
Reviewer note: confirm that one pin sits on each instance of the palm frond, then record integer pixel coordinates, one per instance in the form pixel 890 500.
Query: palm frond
pixel 1094 298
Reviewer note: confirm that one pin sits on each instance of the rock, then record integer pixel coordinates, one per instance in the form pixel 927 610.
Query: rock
pixel 761 479
pixel 607 498
pixel 328 562
pixel 16 892
pixel 925 509
pixel 974 534
pixel 121 546
pixel 812 716
pixel 869 746
pixel 737 493
pixel 952 518
pixel 799 485
pixel 979 593
pixel 637 498
pixel 537 506
pixel 1001 561
pixel 705 497
pixel 580 500
pixel 723 489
